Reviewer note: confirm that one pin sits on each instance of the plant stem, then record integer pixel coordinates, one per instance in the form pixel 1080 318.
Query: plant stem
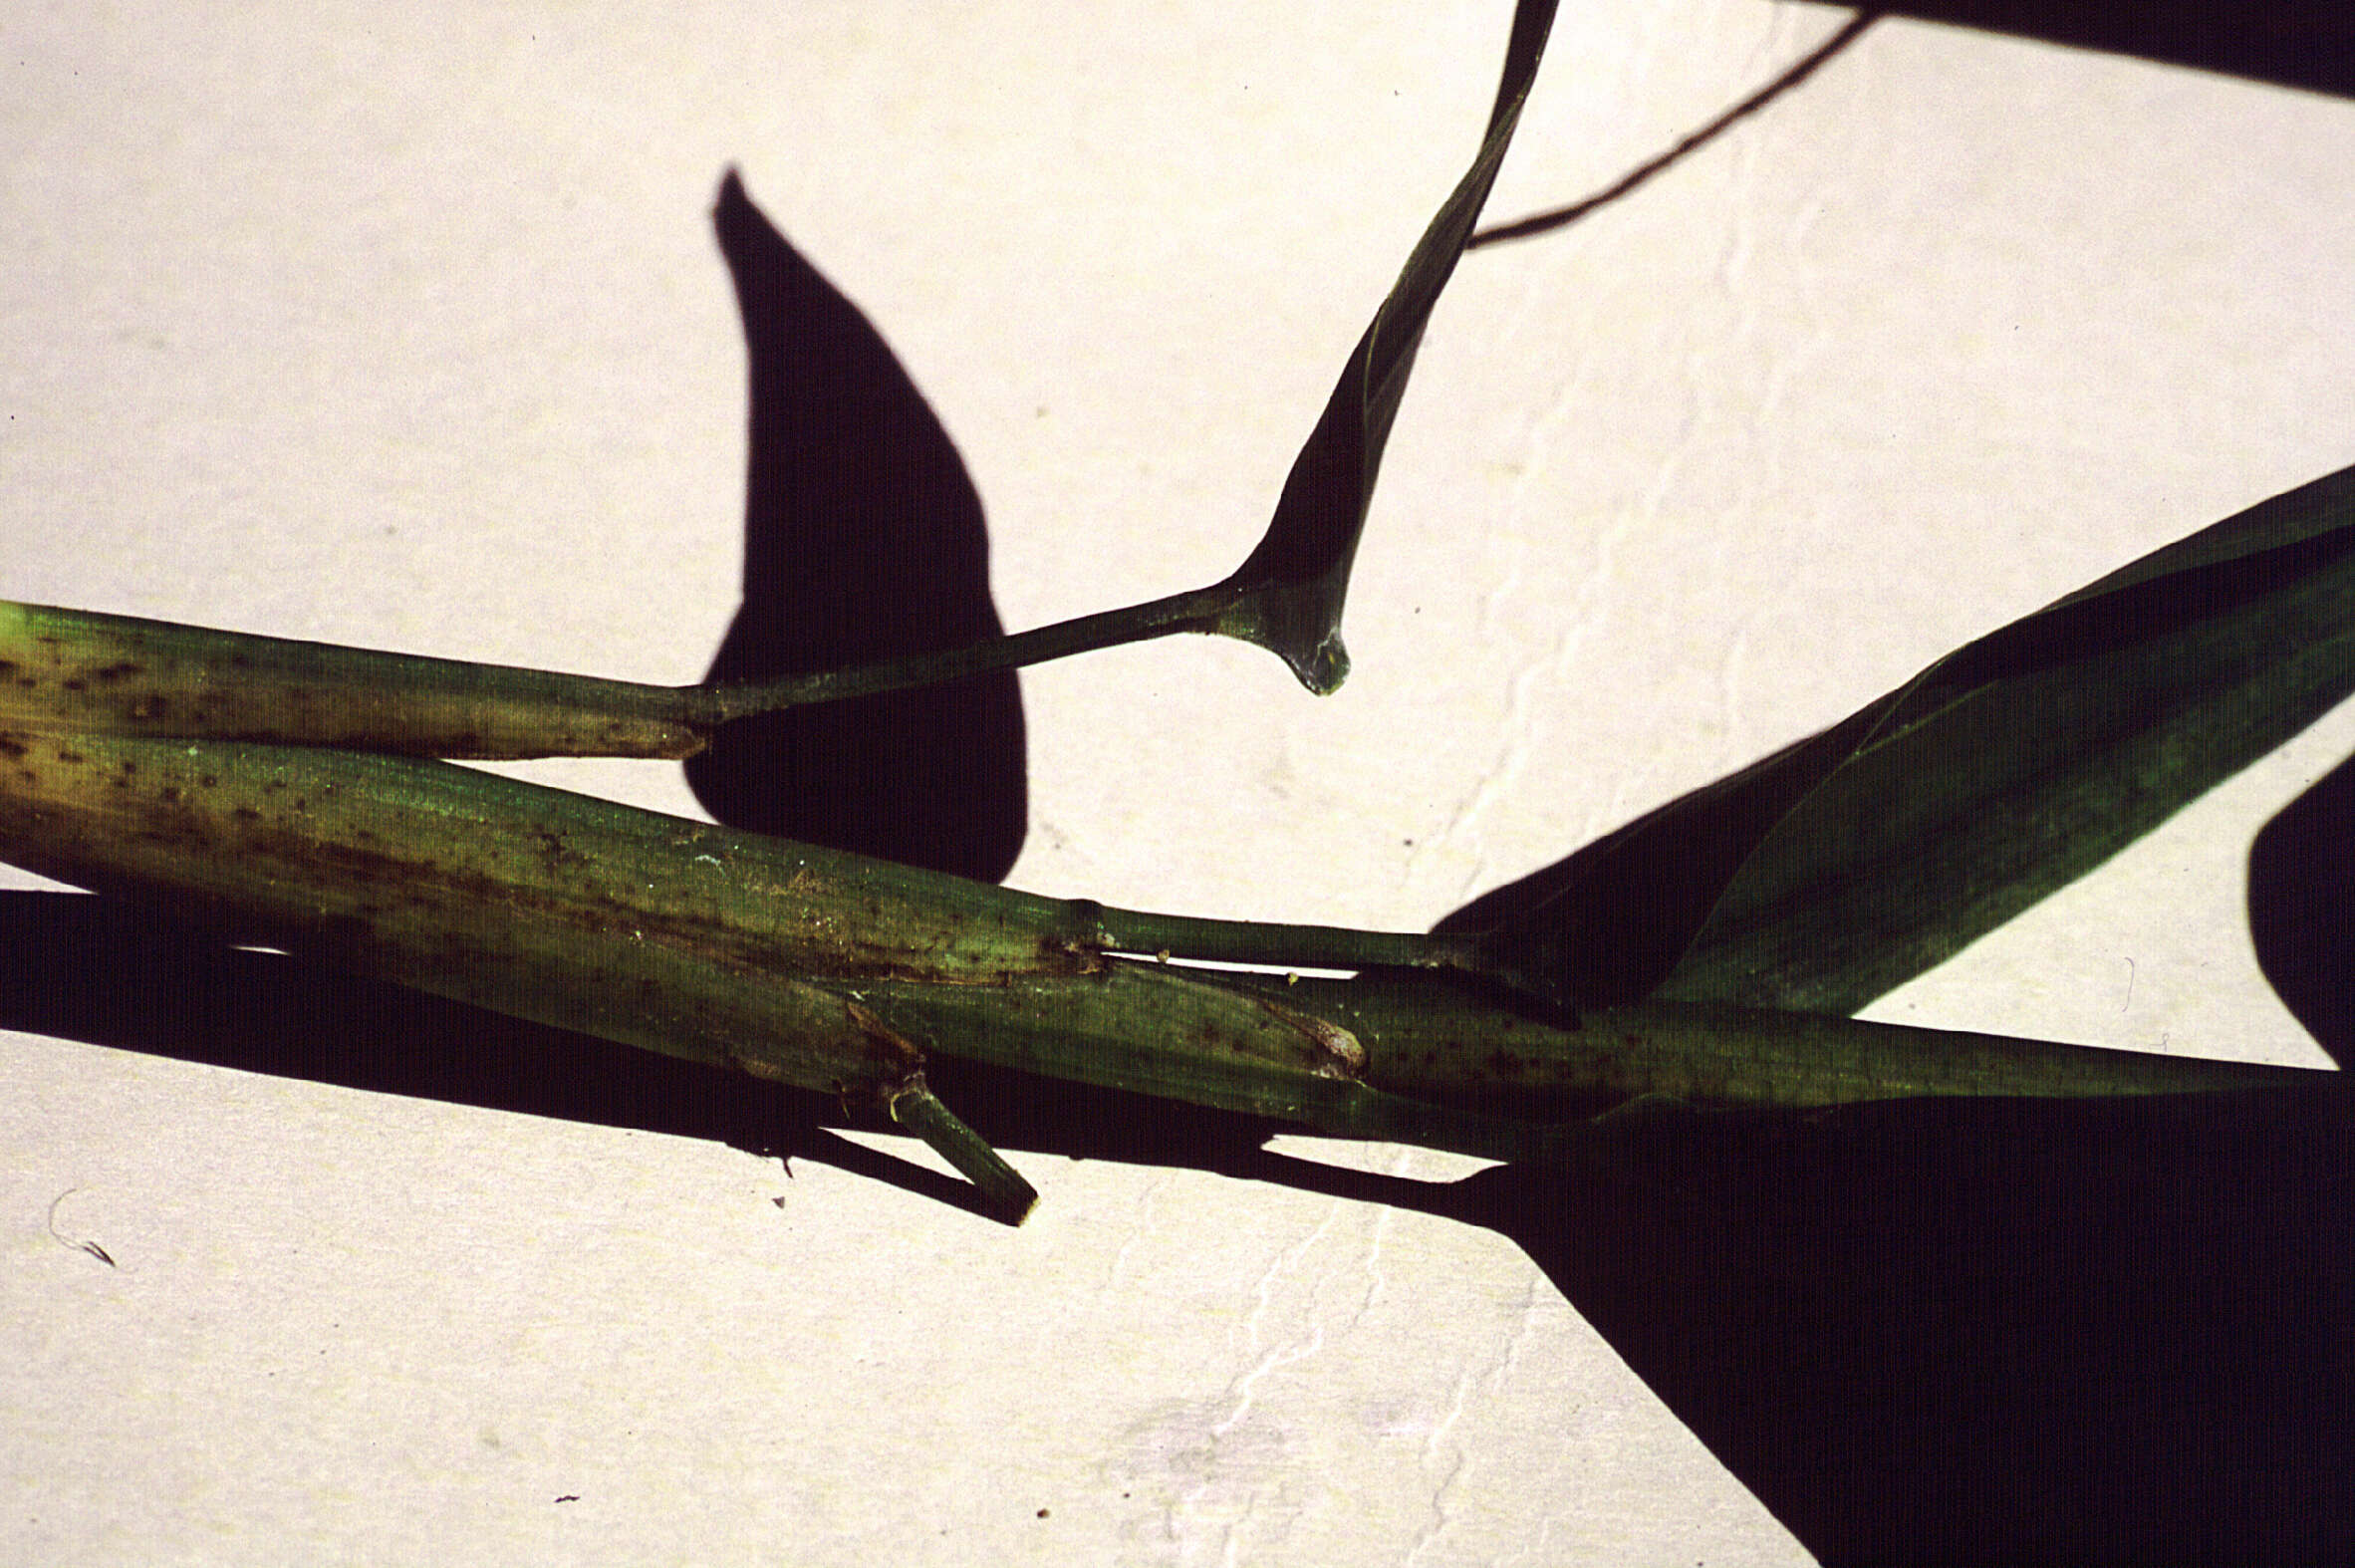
pixel 1196 611
pixel 80 672
pixel 920 1109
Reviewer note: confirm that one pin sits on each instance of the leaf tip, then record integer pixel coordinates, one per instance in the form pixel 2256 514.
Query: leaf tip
pixel 1324 668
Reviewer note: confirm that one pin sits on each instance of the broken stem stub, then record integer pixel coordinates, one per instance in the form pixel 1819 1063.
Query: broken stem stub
pixel 915 1107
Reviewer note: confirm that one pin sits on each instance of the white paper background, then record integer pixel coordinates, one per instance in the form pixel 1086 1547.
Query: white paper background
pixel 406 329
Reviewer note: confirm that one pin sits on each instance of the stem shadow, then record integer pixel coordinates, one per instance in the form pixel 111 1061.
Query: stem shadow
pixel 76 966
pixel 1919 1331
pixel 81 967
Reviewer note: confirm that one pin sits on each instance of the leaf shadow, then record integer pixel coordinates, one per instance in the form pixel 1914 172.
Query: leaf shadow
pixel 1989 1331
pixel 2288 43
pixel 2300 869
pixel 1993 1331
pixel 1979 1330
pixel 864 539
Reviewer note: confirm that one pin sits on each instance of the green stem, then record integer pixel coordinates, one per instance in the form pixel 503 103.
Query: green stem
pixel 917 1109
pixel 1197 611
pixel 81 672
pixel 844 975
pixel 1440 1043
pixel 78 671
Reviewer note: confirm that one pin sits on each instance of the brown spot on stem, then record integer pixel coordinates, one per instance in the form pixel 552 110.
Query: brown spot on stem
pixel 1342 1054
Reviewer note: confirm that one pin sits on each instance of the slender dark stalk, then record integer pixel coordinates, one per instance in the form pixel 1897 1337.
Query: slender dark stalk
pixel 1805 66
pixel 1197 611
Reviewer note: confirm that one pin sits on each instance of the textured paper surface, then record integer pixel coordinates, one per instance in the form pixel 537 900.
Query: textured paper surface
pixel 407 329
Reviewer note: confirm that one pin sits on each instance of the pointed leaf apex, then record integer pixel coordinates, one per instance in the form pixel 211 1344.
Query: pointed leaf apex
pixel 1325 669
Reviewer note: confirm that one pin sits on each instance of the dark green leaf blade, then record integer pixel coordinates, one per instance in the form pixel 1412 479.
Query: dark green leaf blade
pixel 1824 876
pixel 1289 591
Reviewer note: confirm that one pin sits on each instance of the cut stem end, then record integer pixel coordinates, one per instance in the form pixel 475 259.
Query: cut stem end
pixel 917 1109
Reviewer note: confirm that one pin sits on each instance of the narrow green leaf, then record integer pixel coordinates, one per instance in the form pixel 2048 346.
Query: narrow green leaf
pixel 1837 868
pixel 1293 583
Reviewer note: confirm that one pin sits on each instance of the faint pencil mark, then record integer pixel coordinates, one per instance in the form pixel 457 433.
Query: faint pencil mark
pixel 91 1248
pixel 1800 70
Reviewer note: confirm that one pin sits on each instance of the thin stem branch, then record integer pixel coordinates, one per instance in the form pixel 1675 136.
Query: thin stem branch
pixel 1805 66
pixel 1197 611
